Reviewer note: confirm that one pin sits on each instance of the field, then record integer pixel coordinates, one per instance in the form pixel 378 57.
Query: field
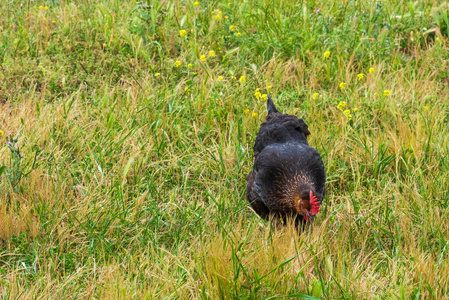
pixel 127 131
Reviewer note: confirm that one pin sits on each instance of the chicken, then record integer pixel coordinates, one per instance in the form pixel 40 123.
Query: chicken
pixel 288 178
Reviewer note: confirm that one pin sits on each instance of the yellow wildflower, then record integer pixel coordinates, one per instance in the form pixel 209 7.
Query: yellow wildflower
pixel 233 77
pixel 182 32
pixel 375 94
pixel 211 53
pixel 238 34
pixel 157 74
pixel 53 21
pixel 189 66
pixel 327 54
pixel 203 57
pixel 246 111
pixel 342 85
pixel 46 7
pixel 242 79
pixel 355 109
pixel 218 17
pixel 386 93
pixel 347 112
pixel 232 27
pixel 220 78
pixel 45 18
pixel 360 76
pixel 1 133
pixel 315 95
pixel 177 63
pixel 425 108
pixel 254 114
pixel 40 7
pixel 269 89
pixel 264 96
pixel 257 94
pixel 371 70
pixel 187 90
pixel 341 105
pixel 196 3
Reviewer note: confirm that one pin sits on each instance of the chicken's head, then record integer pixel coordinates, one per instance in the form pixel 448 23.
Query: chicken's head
pixel 309 205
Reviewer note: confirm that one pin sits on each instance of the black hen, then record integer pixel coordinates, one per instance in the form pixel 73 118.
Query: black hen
pixel 288 178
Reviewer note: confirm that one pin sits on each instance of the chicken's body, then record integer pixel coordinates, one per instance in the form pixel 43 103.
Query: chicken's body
pixel 288 178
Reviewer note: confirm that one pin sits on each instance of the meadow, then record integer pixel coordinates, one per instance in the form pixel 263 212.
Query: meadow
pixel 126 138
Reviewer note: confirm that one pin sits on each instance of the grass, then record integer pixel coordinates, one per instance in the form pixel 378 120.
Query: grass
pixel 128 178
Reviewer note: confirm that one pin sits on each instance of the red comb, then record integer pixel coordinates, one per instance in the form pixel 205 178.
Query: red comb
pixel 315 205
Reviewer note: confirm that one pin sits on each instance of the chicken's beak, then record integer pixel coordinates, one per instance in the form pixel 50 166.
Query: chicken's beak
pixel 308 217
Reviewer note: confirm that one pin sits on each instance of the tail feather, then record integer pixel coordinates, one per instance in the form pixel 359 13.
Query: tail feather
pixel 271 108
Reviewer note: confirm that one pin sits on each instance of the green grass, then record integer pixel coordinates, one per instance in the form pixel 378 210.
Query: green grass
pixel 128 180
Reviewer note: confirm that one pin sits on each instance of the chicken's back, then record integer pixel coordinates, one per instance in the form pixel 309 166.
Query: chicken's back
pixel 278 129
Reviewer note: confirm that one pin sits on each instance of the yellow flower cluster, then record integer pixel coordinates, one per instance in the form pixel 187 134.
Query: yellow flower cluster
pixel 187 90
pixel 259 95
pixel 238 34
pixel 360 76
pixel 211 53
pixel 203 57
pixel 1 133
pixel 218 14
pixel 254 114
pixel 242 79
pixel 232 28
pixel 315 95
pixel 371 70
pixel 196 3
pixel 347 112
pixel 386 93
pixel 342 85
pixel 177 63
pixel 189 66
pixel 220 78
pixel 182 33
pixel 327 54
